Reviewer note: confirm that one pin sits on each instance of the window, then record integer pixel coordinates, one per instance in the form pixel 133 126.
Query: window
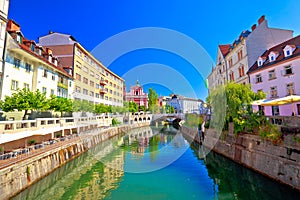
pixel 97 76
pixel 17 63
pixel 110 91
pixel 78 89
pixel 97 86
pixel 44 90
pixel 273 92
pixel 53 77
pixel 106 98
pixel 290 88
pixel 85 69
pixel 272 75
pixel 85 91
pixel 92 73
pixel 27 67
pixel 240 54
pixel 231 76
pixel 78 77
pixel 288 70
pixel 288 53
pixel 91 94
pixel 92 83
pixel 258 78
pixel 19 39
pixel 230 62
pixel 52 91
pixel 97 95
pixel 26 86
pixel 45 73
pixel 14 85
pixel 241 71
pixel 85 80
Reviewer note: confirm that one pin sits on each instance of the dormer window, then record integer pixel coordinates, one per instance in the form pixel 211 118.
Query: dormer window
pixel 288 50
pixel 272 56
pixel 19 39
pixel 261 61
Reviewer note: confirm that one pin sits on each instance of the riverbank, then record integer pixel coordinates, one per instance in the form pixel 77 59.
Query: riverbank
pixel 19 176
pixel 279 162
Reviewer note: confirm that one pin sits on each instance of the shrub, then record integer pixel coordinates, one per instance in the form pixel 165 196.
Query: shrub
pixel 115 122
pixel 31 142
pixel 270 132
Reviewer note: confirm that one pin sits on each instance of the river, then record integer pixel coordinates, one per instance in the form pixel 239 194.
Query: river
pixel 154 163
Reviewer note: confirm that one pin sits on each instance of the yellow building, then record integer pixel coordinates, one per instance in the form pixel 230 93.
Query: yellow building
pixel 93 81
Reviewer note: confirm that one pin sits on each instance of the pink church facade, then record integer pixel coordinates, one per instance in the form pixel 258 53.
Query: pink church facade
pixel 137 95
pixel 277 73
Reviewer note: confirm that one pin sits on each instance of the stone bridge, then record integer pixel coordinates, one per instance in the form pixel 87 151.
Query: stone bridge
pixel 167 118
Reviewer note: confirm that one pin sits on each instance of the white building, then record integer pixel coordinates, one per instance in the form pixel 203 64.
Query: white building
pixel 244 51
pixel 30 66
pixel 4 4
pixel 184 104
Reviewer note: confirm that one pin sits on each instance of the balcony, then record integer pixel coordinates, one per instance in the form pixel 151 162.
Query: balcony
pixel 103 91
pixel 62 85
pixel 103 82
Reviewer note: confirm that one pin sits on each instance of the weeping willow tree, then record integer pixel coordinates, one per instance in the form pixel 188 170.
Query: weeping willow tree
pixel 232 103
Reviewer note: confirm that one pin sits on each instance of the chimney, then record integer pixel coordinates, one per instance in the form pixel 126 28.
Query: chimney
pixel 12 26
pixel 261 19
pixel 253 27
pixel 50 32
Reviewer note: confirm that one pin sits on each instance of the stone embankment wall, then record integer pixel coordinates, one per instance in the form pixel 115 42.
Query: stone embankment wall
pixel 280 162
pixel 21 175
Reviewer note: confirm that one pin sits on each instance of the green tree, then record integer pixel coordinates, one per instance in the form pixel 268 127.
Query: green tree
pixel 142 108
pixel 131 106
pixel 59 104
pixel 83 105
pixel 153 101
pixel 233 103
pixel 25 100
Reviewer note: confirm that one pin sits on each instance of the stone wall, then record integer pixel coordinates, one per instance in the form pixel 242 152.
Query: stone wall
pixel 279 162
pixel 19 176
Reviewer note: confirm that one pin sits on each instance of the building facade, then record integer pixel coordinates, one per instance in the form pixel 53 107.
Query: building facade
pixel 93 81
pixel 136 94
pixel 185 105
pixel 4 4
pixel 28 65
pixel 244 51
pixel 277 73
pixel 219 74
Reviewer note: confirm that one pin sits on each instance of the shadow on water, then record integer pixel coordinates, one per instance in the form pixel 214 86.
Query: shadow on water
pixel 233 181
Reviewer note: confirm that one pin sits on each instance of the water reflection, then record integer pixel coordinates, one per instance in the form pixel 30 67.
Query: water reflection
pixel 192 176
pixel 232 181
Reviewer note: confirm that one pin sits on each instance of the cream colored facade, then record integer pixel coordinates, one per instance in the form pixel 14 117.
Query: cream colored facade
pixel 93 81
pixel 4 4
pixel 30 66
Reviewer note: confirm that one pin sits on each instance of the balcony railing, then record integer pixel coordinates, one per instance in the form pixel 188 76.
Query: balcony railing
pixel 103 82
pixel 103 91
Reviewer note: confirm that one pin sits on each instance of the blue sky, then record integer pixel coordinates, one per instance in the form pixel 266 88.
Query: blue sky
pixel 209 23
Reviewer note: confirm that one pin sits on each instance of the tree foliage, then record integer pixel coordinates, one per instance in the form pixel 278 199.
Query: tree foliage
pixel 59 104
pixel 83 106
pixel 232 103
pixel 153 101
pixel 25 100
pixel 131 106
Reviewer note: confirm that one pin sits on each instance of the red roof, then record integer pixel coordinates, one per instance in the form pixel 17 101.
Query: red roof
pixel 278 48
pixel 224 49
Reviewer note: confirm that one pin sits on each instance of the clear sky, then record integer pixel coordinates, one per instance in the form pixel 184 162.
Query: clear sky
pixel 208 23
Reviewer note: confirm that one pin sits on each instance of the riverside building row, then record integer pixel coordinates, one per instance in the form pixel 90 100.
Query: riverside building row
pixel 57 65
pixel 269 60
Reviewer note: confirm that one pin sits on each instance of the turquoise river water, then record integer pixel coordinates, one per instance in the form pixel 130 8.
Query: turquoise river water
pixel 154 163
